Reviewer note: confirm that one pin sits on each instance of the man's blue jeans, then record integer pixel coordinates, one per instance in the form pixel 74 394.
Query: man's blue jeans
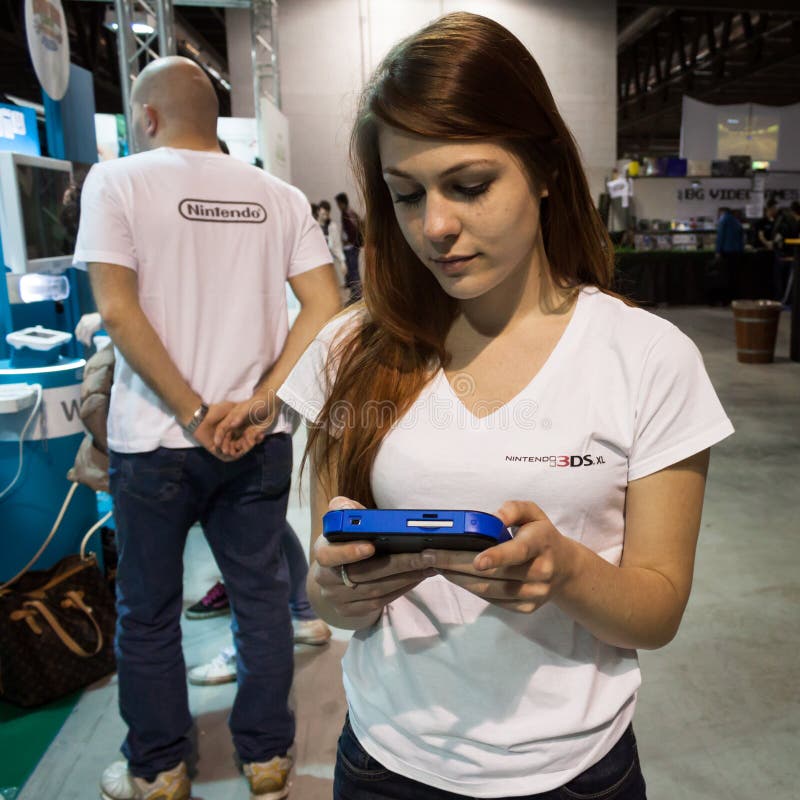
pixel 297 564
pixel 241 506
pixel 353 277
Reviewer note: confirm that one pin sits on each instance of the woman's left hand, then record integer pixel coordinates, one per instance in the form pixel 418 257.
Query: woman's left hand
pixel 520 575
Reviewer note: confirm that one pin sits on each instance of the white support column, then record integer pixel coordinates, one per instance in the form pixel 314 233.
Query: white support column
pixel 239 38
pixel 266 76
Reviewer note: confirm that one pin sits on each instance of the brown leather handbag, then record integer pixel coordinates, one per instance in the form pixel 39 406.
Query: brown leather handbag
pixel 56 627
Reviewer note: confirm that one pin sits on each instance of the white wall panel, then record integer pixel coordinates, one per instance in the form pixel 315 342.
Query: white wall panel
pixel 328 47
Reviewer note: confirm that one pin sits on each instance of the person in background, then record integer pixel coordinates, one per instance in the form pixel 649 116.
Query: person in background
pixel 728 252
pixel 787 226
pixel 201 351
pixel 513 381
pixel 351 243
pixel 730 238
pixel 70 212
pixel 765 227
pixel 628 239
pixel 88 325
pixel 306 626
pixel 333 235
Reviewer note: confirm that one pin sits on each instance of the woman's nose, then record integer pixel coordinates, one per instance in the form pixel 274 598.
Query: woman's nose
pixel 441 220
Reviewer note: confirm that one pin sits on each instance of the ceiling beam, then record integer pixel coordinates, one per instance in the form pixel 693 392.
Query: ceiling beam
pixel 728 61
pixel 201 3
pixel 640 25
pixel 770 6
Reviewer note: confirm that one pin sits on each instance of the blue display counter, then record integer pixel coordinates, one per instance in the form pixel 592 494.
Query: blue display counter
pixel 29 509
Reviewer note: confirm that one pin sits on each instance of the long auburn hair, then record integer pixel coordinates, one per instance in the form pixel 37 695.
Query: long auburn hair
pixel 463 77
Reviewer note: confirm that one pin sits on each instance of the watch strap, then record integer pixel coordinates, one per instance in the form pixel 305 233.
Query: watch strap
pixel 194 423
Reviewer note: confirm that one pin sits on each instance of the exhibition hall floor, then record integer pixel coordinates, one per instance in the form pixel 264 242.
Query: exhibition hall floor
pixel 718 714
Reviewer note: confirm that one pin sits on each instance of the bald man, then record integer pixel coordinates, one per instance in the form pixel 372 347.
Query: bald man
pixel 189 252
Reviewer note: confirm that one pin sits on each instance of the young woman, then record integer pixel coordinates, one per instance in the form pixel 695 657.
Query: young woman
pixel 490 368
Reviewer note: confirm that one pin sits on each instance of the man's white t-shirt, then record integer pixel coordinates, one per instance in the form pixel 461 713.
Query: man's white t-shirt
pixel 213 241
pixel 450 690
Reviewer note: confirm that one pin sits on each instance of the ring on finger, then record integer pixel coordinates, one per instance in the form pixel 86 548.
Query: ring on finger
pixel 346 578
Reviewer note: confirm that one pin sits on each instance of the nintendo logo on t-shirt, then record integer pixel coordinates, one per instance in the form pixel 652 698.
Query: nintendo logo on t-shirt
pixel 221 211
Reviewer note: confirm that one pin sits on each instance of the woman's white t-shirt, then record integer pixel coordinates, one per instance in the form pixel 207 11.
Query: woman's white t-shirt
pixel 459 694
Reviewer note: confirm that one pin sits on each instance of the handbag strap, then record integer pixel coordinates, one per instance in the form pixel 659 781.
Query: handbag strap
pixel 74 600
pixel 64 507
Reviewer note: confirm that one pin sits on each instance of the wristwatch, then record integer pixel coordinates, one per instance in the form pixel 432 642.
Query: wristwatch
pixel 194 423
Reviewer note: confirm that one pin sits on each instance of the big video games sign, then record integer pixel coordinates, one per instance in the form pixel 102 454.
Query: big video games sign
pixel 733 195
pixel 706 196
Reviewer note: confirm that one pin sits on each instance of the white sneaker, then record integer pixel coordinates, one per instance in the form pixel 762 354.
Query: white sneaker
pixel 310 631
pixel 221 669
pixel 117 783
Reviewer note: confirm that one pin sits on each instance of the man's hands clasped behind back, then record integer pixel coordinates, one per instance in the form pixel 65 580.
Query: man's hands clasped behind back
pixel 231 430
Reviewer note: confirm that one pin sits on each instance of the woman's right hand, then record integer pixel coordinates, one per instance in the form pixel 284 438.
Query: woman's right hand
pixel 376 579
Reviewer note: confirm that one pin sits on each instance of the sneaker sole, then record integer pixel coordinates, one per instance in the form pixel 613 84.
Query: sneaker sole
pixel 315 642
pixel 105 796
pixel 221 612
pixel 211 681
pixel 277 795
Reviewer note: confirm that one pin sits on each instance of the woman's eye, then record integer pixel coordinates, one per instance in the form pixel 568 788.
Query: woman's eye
pixel 409 199
pixel 475 190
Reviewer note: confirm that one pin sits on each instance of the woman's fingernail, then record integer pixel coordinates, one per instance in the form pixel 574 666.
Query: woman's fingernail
pixel 338 503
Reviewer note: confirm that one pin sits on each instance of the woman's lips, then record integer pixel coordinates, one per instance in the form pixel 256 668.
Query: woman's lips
pixel 453 266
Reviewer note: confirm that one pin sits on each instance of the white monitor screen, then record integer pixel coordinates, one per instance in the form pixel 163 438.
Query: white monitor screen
pixel 41 194
pixel 755 135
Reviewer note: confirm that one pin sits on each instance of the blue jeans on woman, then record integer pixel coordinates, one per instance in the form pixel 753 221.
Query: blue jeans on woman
pixel 358 776
pixel 241 506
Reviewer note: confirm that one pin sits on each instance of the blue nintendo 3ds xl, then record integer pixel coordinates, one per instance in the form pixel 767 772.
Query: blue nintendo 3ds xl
pixel 404 531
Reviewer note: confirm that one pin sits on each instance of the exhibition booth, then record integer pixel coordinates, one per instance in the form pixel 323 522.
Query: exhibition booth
pixel 664 212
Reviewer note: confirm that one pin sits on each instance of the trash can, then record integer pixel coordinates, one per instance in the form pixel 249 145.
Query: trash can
pixel 756 330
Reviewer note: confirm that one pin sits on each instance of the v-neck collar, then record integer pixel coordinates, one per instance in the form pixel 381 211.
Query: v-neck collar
pixel 572 330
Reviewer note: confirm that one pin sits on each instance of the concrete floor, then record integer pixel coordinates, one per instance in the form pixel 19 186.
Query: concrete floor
pixel 719 711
